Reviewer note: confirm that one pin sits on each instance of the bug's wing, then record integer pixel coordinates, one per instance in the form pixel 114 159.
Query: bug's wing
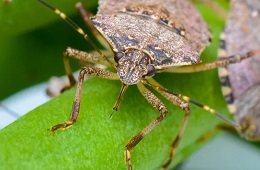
pixel 172 31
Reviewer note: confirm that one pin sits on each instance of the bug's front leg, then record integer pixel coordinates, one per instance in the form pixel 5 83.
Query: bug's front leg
pixel 137 138
pixel 87 70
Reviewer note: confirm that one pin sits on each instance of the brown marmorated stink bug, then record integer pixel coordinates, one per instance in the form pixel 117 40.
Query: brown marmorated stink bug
pixel 146 36
pixel 241 81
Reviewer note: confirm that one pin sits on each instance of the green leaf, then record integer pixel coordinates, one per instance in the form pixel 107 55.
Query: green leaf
pixel 95 142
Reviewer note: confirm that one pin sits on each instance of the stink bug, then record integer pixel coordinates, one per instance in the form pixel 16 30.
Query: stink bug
pixel 145 37
pixel 241 81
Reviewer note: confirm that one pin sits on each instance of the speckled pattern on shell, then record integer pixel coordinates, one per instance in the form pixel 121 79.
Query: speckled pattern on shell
pixel 162 41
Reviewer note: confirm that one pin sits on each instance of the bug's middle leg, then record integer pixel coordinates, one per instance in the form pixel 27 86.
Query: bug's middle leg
pixel 221 62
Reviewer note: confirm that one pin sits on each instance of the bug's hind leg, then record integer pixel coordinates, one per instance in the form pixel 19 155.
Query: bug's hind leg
pixel 85 15
pixel 87 70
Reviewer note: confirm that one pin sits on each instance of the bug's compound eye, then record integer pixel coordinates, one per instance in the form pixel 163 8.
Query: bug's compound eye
pixel 150 70
pixel 118 56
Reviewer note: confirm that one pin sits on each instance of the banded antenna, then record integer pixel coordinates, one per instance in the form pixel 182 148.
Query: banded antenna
pixel 78 29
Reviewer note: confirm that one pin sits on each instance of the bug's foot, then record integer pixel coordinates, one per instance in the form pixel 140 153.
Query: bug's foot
pixel 62 126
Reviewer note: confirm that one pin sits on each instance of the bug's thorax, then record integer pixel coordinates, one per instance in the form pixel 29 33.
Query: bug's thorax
pixel 133 65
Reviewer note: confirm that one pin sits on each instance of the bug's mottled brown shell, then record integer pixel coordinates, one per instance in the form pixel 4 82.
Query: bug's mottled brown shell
pixel 172 32
pixel 242 34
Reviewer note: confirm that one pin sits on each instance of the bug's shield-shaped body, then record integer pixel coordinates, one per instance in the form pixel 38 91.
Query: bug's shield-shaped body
pixel 145 36
pixel 152 32
pixel 240 36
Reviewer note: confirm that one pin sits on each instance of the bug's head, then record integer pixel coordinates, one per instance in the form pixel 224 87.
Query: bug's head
pixel 133 65
pixel 250 127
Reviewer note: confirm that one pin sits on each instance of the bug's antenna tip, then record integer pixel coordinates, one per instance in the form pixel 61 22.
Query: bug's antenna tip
pixel 111 115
